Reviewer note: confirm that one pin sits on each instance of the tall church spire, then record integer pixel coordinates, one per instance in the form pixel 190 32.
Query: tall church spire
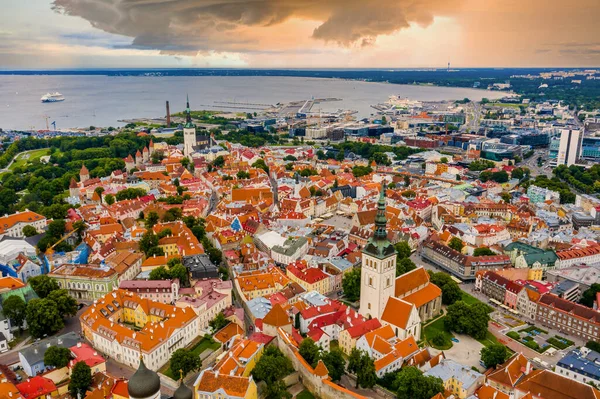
pixel 188 113
pixel 380 217
pixel 379 245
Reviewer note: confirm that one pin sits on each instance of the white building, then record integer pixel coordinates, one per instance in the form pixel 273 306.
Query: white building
pixel 569 148
pixel 12 225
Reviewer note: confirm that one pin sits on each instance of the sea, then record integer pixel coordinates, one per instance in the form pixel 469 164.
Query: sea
pixel 103 101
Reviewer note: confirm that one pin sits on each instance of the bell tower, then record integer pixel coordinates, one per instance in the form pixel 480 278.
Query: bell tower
pixel 378 271
pixel 189 132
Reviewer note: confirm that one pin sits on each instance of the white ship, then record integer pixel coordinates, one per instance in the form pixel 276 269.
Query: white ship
pixel 52 97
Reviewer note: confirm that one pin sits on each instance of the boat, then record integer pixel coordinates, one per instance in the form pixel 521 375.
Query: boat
pixel 52 97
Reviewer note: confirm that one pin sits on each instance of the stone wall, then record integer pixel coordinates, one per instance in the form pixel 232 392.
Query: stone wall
pixel 321 387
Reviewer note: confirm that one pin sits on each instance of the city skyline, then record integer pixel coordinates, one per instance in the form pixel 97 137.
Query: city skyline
pixel 298 34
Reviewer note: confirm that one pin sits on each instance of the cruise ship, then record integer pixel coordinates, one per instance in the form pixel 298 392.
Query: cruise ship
pixel 52 97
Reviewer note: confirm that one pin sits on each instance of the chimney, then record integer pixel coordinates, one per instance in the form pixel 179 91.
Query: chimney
pixel 168 115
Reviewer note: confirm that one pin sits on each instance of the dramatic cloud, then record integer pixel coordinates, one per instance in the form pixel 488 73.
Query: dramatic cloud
pixel 299 33
pixel 224 25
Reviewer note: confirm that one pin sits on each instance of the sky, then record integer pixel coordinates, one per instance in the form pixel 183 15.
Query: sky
pixel 48 34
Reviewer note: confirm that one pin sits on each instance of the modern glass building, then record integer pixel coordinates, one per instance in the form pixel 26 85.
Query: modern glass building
pixel 590 148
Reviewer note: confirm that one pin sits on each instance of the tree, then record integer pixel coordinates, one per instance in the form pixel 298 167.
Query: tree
pixel 589 296
pixel 164 233
pixel 383 120
pixel 218 322
pixel 29 231
pixel 404 266
pixel 309 351
pixel 260 163
pixel 185 361
pixel 160 273
pixel 66 304
pixel 181 273
pixel 81 380
pixel 155 251
pixel 500 176
pixel 593 345
pixel 359 171
pixel 443 160
pixel 79 226
pixel 483 251
pixel 354 361
pixel 277 390
pixel 412 384
pixel 380 158
pixel 366 376
pixel 149 240
pixel 151 219
pixel 243 175
pixel 451 292
pixel 14 308
pixel 99 191
pixel 351 285
pixel 406 181
pixel 493 355
pixel 468 319
pixel 172 215
pixel 456 244
pixel 43 285
pixel 43 317
pixel 57 228
pixel 272 366
pixel 506 197
pixel 335 363
pixel 403 250
pixel 109 199
pixel 56 356
pixel 218 162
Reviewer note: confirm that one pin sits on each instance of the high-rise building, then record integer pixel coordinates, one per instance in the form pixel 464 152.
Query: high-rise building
pixel 378 272
pixel 569 148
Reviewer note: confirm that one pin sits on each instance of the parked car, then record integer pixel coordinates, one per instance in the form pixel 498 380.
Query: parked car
pixel 454 340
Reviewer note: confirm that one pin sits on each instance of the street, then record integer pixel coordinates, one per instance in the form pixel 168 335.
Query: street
pixel 71 325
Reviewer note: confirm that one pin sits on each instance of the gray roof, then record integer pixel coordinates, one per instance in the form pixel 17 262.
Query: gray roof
pixel 35 352
pixel 290 246
pixel 448 368
pixel 200 266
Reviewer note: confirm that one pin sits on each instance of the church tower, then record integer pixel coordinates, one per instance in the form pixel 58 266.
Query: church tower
pixel 378 272
pixel 189 132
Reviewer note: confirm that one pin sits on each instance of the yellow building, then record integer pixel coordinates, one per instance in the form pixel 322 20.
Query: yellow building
pixel 215 385
pixel 123 325
pixel 459 380
pixel 310 278
pixel 260 283
pixel 348 337
pixel 241 358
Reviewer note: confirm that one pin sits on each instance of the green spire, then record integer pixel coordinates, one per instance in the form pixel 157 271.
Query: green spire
pixel 188 114
pixel 380 217
pixel 379 245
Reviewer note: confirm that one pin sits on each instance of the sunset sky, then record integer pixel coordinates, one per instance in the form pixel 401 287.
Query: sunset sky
pixel 38 34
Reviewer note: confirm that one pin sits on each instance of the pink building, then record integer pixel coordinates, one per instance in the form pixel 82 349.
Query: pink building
pixel 512 294
pixel 164 291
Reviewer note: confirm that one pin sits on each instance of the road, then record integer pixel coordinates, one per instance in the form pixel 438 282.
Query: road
pixel 532 163
pixel 473 115
pixel 71 325
pixel 7 169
